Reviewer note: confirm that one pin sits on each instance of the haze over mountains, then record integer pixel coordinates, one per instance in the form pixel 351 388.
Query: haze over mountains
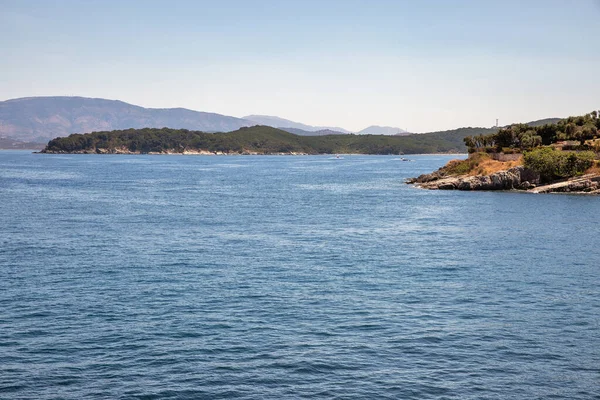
pixel 13 144
pixel 45 118
pixel 280 123
pixel 383 130
pixel 305 130
pixel 39 119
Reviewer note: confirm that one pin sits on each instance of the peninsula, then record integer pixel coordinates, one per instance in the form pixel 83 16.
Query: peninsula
pixel 555 157
pixel 256 140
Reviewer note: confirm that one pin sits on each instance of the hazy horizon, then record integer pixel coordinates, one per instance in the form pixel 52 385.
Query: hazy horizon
pixel 420 67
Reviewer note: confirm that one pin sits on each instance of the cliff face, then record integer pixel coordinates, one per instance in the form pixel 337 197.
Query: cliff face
pixel 516 178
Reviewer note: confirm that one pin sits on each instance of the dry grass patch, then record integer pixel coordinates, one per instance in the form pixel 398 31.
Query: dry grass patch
pixel 490 166
pixel 478 164
pixel 594 169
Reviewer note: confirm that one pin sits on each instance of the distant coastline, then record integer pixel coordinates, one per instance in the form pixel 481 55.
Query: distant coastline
pixel 254 140
pixel 7 143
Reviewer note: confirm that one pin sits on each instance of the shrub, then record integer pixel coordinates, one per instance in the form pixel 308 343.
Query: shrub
pixel 552 164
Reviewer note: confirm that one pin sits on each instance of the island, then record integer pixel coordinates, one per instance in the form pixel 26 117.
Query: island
pixel 556 157
pixel 257 140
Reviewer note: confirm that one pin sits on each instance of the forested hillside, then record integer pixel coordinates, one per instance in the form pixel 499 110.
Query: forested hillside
pixel 260 140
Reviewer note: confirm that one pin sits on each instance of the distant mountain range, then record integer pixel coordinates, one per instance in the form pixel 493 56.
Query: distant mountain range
pixel 383 130
pixel 34 120
pixel 39 119
pixel 284 124
pixel 302 132
pixel 44 118
pixel 305 130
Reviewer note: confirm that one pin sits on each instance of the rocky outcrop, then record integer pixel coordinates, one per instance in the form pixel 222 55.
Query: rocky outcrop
pixel 434 176
pixel 583 184
pixel 516 178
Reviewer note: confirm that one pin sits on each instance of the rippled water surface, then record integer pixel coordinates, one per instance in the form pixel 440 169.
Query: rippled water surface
pixel 289 277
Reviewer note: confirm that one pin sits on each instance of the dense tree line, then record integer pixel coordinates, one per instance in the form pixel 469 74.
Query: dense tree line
pixel 523 137
pixel 259 139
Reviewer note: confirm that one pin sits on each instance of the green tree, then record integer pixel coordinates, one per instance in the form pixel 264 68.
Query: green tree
pixel 505 138
pixel 588 132
pixel 470 143
pixel 548 133
pixel 570 130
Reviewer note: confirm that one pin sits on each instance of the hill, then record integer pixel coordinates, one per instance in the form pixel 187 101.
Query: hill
pixel 542 122
pixel 282 123
pixel 302 132
pixel 383 130
pixel 44 118
pixel 39 119
pixel 258 140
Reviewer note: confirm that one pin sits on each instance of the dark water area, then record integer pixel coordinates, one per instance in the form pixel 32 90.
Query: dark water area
pixel 250 277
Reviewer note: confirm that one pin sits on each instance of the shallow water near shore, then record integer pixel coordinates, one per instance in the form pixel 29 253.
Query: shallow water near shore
pixel 269 277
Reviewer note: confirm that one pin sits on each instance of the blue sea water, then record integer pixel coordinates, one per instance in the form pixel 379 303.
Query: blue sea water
pixel 250 277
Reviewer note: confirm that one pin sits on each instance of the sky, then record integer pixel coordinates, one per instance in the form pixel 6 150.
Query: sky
pixel 418 65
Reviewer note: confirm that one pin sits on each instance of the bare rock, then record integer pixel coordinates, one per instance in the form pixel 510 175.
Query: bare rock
pixel 514 178
pixel 448 185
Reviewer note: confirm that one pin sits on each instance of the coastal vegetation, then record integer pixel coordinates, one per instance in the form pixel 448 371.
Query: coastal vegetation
pixel 259 140
pixel 558 150
pixel 522 137
pixel 553 164
pixel 523 156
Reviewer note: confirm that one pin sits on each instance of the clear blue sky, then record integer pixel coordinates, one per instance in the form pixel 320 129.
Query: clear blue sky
pixel 420 65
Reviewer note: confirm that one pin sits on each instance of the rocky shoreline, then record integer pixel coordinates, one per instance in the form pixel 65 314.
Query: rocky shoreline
pixel 124 150
pixel 516 178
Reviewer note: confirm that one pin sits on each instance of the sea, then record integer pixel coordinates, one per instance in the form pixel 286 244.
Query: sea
pixel 276 277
